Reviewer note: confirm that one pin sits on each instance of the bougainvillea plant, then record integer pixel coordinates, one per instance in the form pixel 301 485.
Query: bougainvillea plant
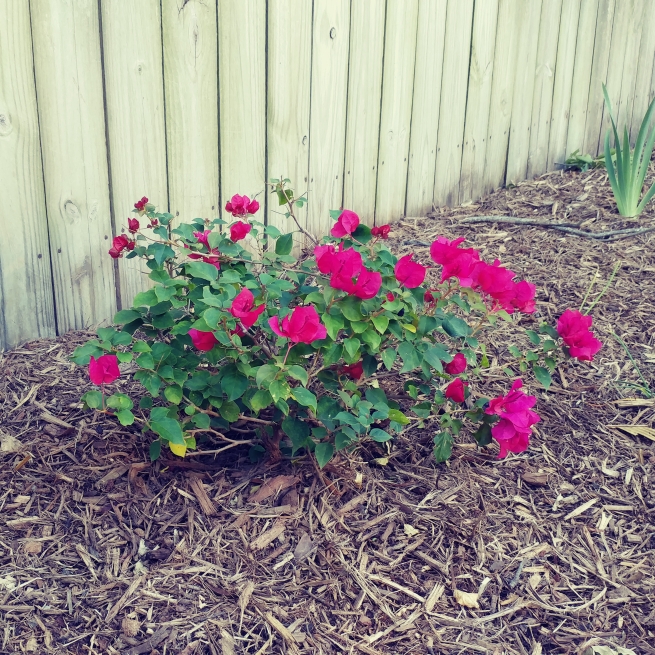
pixel 292 350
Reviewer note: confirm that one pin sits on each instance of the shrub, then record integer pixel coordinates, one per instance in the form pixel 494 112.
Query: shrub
pixel 295 349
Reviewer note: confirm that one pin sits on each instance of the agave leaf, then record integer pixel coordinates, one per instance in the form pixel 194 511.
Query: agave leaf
pixel 642 149
pixel 646 199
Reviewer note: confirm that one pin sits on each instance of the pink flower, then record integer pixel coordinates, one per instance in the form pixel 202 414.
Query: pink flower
pixel 353 371
pixel 456 390
pixel 574 328
pixel 302 326
pixel 242 308
pixel 513 430
pixel 382 231
pixel 120 243
pixel 239 230
pixel 343 266
pixel 140 205
pixel 204 341
pixel 496 281
pixel 133 225
pixel 428 297
pixel 323 256
pixel 456 262
pixel 203 237
pixel 103 370
pixel 409 273
pixel 390 297
pixel 367 285
pixel 346 224
pixel 241 206
pixel 457 366
pixel 523 299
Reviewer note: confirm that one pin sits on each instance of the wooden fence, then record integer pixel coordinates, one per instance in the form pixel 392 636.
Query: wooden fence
pixel 383 106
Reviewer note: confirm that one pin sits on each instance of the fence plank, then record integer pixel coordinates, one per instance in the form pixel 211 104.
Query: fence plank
pixel 595 105
pixel 26 301
pixel 454 84
pixel 645 71
pixel 564 69
pixel 478 102
pixel 68 74
pixel 289 88
pixel 425 107
pixel 395 116
pixel 242 94
pixel 331 34
pixel 190 85
pixel 134 91
pixel 582 65
pixel 519 140
pixel 363 118
pixel 502 93
pixel 542 98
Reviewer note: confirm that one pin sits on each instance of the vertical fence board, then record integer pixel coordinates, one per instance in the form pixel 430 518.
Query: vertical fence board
pixel 191 96
pixel 331 34
pixel 568 36
pixel 71 115
pixel 289 88
pixel 519 140
pixel 542 99
pixel 454 85
pixel 242 92
pixel 396 113
pixel 595 104
pixel 131 35
pixel 645 71
pixel 478 101
pixel 26 302
pixel 363 117
pixel 502 93
pixel 425 106
pixel 582 65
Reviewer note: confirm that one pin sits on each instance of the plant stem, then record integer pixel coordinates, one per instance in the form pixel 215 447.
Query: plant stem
pixel 288 351
pixel 605 288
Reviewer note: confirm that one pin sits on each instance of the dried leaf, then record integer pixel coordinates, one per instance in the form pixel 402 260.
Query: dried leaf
pixel 304 548
pixel 537 479
pixel 410 530
pixel 8 583
pixel 267 537
pixel 606 650
pixel 33 547
pixel 244 597
pixel 9 443
pixel 272 487
pixel 130 627
pixel 637 430
pixel 466 599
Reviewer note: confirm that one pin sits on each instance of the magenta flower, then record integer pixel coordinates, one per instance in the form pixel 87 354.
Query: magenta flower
pixel 140 205
pixel 239 230
pixel 346 224
pixel 382 231
pixel 243 308
pixel 203 341
pixel 203 237
pixel 132 225
pixel 302 326
pixel 457 366
pixel 241 205
pixel 456 262
pixel 104 370
pixel 409 273
pixel 574 328
pixel 456 390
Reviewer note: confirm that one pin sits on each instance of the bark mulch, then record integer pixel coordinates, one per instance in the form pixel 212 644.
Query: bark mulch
pixel 550 551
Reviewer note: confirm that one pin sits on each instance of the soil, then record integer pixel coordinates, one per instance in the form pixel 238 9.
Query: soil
pixel 385 551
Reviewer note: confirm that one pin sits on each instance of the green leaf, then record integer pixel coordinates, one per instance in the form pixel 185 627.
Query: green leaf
pixel 324 453
pixel 455 327
pixel 436 354
pixel 409 356
pixel 279 389
pixel 298 431
pixel 534 337
pixel 372 339
pixel 304 397
pixel 422 410
pixel 483 435
pixel 380 435
pixel 173 394
pixel 333 324
pixel 201 421
pixel 155 450
pixel 284 245
pixel 544 328
pixel 397 416
pixel 299 373
pixel 549 345
pixel 514 351
pixel 169 430
pixel 202 271
pixel 443 446
pixel 389 357
pixel 234 384
pixel 93 399
pixel 351 308
pixel 260 400
pixel 381 323
pixel 119 401
pixel 125 417
pixel 146 360
pixel 351 346
pixel 125 316
pixel 145 299
pixel 229 411
pixel 543 375
pixel 266 374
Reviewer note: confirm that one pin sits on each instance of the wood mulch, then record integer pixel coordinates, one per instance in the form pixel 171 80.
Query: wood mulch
pixel 550 551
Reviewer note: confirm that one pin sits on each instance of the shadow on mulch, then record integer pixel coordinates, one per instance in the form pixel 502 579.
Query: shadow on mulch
pixel 102 552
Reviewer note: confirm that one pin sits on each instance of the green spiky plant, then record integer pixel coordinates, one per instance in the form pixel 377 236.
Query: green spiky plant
pixel 628 172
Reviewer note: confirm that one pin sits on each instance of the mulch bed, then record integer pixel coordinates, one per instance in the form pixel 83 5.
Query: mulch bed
pixel 103 552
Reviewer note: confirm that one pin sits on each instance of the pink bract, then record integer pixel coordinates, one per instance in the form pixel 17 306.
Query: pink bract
pixel 239 230
pixel 457 366
pixel 243 308
pixel 574 328
pixel 346 224
pixel 409 273
pixel 456 391
pixel 203 341
pixel 104 370
pixel 302 326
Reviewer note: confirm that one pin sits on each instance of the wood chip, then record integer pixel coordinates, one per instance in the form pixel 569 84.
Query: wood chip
pixel 273 486
pixel 284 632
pixel 352 504
pixel 581 509
pixel 122 601
pixel 205 502
pixel 637 430
pixel 270 535
pixel 434 596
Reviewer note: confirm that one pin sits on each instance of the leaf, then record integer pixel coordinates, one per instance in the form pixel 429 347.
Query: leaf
pixel 234 385
pixel 155 450
pixel 145 360
pixel 379 435
pixel 279 389
pixel 352 346
pixel 543 375
pixel 466 599
pixel 351 308
pixel 298 431
pixel 273 486
pixel 372 339
pixel 443 446
pixel 266 374
pixel 178 449
pixel 482 435
pixel 409 356
pixel 202 270
pixel 333 324
pixel 397 416
pixel 93 399
pixel 260 400
pixel 388 358
pixel 324 453
pixel 173 394
pixel 381 323
pixel 455 327
pixel 304 397
pixel 284 245
pixel 125 417
pixel 436 354
pixel 119 401
pixel 299 373
pixel 168 429
pixel 533 336
pixel 229 411
pixel 125 316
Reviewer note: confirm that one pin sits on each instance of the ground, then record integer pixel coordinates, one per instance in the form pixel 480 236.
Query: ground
pixel 103 552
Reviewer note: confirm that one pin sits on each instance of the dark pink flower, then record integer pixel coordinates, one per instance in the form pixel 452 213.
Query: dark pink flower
pixel 115 254
pixel 241 205
pixel 456 262
pixel 302 326
pixel 133 225
pixel 390 297
pixel 575 330
pixel 346 224
pixel 367 285
pixel 428 297
pixel 382 231
pixel 243 308
pixel 523 299
pixel 130 245
pixel 343 266
pixel 239 230
pixel 120 243
pixel 140 205
pixel 516 419
pixel 103 370
pixel 456 390
pixel 203 238
pixel 353 371
pixel 153 222
pixel 323 255
pixel 409 273
pixel 204 341
pixel 457 366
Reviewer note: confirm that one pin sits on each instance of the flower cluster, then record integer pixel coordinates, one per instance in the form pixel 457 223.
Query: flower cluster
pixel 574 328
pixel 241 206
pixel 381 231
pixel 347 271
pixel 140 205
pixel 302 326
pixel 120 244
pixel 104 370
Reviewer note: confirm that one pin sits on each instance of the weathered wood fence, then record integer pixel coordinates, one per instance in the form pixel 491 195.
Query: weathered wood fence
pixel 383 106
